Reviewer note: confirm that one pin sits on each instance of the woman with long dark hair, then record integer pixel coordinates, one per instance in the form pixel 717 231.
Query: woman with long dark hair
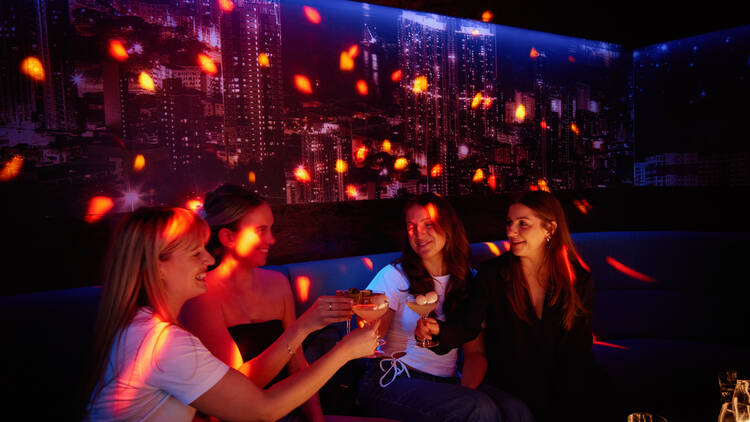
pixel 536 304
pixel 421 385
pixel 144 366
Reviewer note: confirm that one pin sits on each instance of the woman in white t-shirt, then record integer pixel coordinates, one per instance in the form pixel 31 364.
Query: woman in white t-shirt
pixel 421 385
pixel 144 366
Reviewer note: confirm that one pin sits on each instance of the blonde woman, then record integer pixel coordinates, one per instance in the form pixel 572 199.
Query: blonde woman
pixel 145 366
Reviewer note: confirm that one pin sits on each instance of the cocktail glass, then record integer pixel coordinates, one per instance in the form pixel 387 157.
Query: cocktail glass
pixel 423 311
pixel 370 309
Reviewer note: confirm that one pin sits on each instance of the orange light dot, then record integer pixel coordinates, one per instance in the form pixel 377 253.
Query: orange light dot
pixel 396 75
pixel 436 170
pixel 543 185
pixel 246 241
pixel 227 266
pixel 368 263
pixel 194 205
pixel 226 5
pixel 400 163
pixel 478 176
pixel 207 65
pixel 543 125
pixel 341 166
pixel 571 59
pixel 303 84
pixel 98 207
pixel 477 100
pixel 263 60
pixel 432 211
pixel 386 145
pixel 312 15
pixel 475 32
pixel 493 248
pixel 346 63
pixel 302 175
pixel 251 177
pixel 487 103
pixel 579 205
pixel 533 53
pixel 351 191
pixel 117 50
pixel 492 182
pixel 362 87
pixel 145 81
pixel 533 188
pixel 361 154
pixel 487 16
pixel 139 162
pixel 520 113
pixel 420 84
pixel 574 128
pixel 12 168
pixel 32 67
pixel 353 51
pixel 506 245
pixel 302 285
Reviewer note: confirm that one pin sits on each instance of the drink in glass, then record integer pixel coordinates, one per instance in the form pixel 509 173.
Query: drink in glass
pixel 423 305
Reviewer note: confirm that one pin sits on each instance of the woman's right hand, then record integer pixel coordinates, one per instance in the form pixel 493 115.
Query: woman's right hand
pixel 326 310
pixel 361 342
pixel 426 328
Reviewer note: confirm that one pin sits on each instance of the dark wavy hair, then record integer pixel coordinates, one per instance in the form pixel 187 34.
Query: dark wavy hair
pixel 561 262
pixel 456 253
pixel 224 208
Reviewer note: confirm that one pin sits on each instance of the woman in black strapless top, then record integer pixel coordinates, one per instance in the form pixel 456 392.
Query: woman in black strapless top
pixel 247 317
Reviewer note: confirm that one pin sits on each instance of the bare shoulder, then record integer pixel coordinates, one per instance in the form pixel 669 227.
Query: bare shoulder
pixel 273 282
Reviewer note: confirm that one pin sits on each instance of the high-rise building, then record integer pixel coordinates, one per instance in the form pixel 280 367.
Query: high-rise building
pixel 181 124
pixel 19 35
pixel 59 93
pixel 323 147
pixel 427 60
pixel 253 96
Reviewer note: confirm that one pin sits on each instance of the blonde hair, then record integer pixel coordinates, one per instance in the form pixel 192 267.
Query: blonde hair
pixel 143 238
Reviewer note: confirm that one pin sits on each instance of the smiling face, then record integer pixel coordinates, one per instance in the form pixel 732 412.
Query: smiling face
pixel 184 272
pixel 253 237
pixel 526 232
pixel 425 238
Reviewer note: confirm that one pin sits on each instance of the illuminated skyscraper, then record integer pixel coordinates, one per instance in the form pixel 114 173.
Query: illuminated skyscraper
pixel 251 61
pixel 322 147
pixel 19 32
pixel 58 92
pixel 427 60
pixel 181 128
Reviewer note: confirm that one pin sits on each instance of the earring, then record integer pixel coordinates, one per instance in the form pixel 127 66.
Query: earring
pixel 548 238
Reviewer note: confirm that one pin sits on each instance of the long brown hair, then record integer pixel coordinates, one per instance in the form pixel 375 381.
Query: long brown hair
pixel 224 207
pixel 456 253
pixel 131 280
pixel 561 262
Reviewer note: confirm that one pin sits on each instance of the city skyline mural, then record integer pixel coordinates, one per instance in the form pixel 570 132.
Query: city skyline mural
pixel 147 102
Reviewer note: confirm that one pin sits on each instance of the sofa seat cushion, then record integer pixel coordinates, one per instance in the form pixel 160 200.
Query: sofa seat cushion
pixel 674 378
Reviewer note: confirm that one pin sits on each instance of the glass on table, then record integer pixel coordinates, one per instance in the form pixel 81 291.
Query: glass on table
pixel 645 417
pixel 727 383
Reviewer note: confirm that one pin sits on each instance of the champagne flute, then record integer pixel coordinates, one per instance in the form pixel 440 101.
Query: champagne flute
pixel 370 309
pixel 423 310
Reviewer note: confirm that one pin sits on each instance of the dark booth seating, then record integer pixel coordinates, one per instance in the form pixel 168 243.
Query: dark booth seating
pixel 662 333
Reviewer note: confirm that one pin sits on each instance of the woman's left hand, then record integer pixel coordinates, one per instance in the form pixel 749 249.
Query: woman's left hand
pixel 326 310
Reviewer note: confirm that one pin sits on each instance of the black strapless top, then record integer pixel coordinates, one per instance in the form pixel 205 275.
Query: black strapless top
pixel 252 339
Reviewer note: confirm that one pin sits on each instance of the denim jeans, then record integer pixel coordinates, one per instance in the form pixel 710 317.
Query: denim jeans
pixel 428 398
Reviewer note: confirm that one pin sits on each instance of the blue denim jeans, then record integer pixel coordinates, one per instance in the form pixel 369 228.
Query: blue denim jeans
pixel 428 398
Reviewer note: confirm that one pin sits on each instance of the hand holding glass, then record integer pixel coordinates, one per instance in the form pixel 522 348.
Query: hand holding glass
pixel 423 310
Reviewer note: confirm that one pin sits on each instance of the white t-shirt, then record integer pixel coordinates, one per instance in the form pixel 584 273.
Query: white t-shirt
pixel 400 337
pixel 160 370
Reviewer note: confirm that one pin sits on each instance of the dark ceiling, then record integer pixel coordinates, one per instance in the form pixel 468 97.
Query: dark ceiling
pixel 632 24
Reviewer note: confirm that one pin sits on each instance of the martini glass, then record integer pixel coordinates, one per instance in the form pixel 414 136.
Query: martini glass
pixel 370 309
pixel 423 311
pixel 356 295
